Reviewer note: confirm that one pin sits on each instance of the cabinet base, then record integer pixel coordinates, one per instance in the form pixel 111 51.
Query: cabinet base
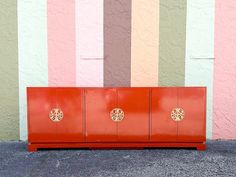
pixel 32 147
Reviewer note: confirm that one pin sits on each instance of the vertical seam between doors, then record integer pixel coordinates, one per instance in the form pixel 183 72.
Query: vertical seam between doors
pixel 205 111
pixel 55 97
pixel 117 104
pixel 150 114
pixel 84 113
pixel 177 138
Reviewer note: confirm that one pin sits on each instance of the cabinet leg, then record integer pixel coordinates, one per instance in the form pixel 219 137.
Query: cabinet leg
pixel 32 148
pixel 201 147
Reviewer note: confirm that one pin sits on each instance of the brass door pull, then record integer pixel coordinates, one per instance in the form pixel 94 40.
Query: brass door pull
pixel 56 115
pixel 117 114
pixel 177 114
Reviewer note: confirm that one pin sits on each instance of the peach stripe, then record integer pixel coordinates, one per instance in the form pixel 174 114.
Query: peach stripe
pixel 61 43
pixel 145 39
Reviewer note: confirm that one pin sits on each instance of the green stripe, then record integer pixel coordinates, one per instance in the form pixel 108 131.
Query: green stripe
pixel 9 97
pixel 172 42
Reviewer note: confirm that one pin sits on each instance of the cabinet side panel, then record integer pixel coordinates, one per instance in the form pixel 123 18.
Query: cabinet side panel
pixel 193 127
pixel 40 103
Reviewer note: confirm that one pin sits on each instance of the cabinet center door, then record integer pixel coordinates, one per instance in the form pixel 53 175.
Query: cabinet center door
pixel 134 102
pixel 70 128
pixel 99 125
pixel 164 128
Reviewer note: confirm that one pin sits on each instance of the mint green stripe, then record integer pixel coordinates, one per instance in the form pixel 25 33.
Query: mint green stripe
pixel 172 42
pixel 9 99
pixel 199 62
pixel 33 53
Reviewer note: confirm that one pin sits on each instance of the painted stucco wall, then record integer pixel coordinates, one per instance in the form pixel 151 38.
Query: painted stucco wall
pixel 145 72
pixel 33 52
pixel 199 56
pixel 172 42
pixel 9 97
pixel 224 112
pixel 118 43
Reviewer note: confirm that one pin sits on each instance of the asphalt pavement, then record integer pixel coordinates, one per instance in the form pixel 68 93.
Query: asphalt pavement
pixel 218 160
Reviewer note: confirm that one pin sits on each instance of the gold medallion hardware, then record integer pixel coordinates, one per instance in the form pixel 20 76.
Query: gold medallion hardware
pixel 117 115
pixel 56 115
pixel 177 114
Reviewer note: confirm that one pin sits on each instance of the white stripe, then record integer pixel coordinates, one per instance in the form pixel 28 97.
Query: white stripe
pixel 32 44
pixel 200 50
pixel 89 42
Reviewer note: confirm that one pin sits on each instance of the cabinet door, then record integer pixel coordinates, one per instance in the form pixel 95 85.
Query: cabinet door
pixel 99 125
pixel 134 102
pixel 40 102
pixel 193 127
pixel 163 127
pixel 70 128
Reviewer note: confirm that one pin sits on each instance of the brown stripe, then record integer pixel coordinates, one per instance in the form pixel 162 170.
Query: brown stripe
pixel 9 97
pixel 117 42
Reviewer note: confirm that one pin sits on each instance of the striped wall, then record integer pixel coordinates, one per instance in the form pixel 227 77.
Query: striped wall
pixel 199 53
pixel 224 86
pixel 144 43
pixel 33 52
pixel 172 42
pixel 9 96
pixel 61 32
pixel 118 43
pixel 89 21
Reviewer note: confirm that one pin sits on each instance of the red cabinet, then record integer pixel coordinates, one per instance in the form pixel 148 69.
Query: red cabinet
pixel 40 103
pixel 116 117
pixel 55 115
pixel 100 104
pixel 135 104
pixel 178 114
pixel 163 101
pixel 193 126
pixel 99 126
pixel 70 128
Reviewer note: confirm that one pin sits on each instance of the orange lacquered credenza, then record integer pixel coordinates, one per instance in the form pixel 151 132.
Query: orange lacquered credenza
pixel 135 117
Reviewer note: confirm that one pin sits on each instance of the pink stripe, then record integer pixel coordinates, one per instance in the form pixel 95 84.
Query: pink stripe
pixel 89 47
pixel 224 117
pixel 61 43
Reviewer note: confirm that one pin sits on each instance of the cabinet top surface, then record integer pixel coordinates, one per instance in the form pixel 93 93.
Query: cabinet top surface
pixel 120 87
